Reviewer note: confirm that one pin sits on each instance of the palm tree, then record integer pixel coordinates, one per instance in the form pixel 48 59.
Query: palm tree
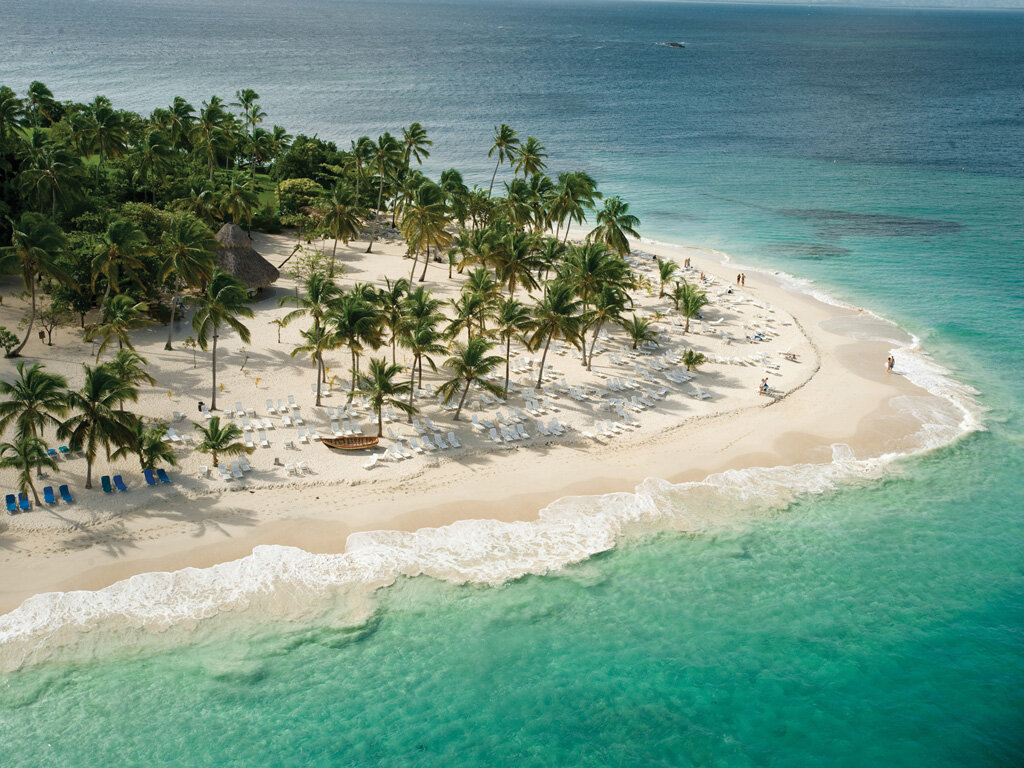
pixel 341 215
pixel 590 266
pixel 690 302
pixel 50 173
pixel 121 314
pixel 421 305
pixel 639 330
pixel 381 389
pixel 98 418
pixel 220 440
pixel 468 308
pixel 608 306
pixel 361 153
pixel 422 339
pixel 414 144
pixel 238 202
pixel 530 157
pixel 455 192
pixel 130 368
pixel 425 224
pixel 667 269
pixel 556 315
pixel 512 319
pixel 614 223
pixel 11 109
pixel 505 145
pixel 253 115
pixel 25 454
pixel 386 156
pixel 469 364
pixel 321 294
pixel 516 260
pixel 36 242
pixel 693 359
pixel 105 130
pixel 356 324
pixel 573 197
pixel 33 401
pixel 209 131
pixel 189 245
pixel 278 141
pixel 180 119
pixel 152 158
pixel 120 248
pixel 391 301
pixel 223 302
pixel 316 341
pixel 149 444
pixel 41 102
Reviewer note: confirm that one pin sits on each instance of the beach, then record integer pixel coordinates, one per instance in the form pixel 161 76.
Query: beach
pixel 836 393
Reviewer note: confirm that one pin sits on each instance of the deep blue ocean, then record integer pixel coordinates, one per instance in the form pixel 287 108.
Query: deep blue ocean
pixel 875 152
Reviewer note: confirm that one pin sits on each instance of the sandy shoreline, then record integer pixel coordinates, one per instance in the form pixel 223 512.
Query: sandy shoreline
pixel 838 394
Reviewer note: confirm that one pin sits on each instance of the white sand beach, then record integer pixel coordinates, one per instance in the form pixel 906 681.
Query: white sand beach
pixel 301 493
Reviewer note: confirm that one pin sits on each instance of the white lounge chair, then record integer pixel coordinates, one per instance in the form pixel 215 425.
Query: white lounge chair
pixel 415 445
pixel 236 470
pixel 432 425
pixel 239 410
pixel 264 443
pixel 373 461
pixel 439 441
pixel 270 407
pixel 291 402
pixel 204 471
pixel 302 466
pixel 521 430
pixel 224 474
pixel 542 429
pixel 453 440
pixel 494 436
pixel 302 437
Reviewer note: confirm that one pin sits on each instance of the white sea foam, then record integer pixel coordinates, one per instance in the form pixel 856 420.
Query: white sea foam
pixel 276 579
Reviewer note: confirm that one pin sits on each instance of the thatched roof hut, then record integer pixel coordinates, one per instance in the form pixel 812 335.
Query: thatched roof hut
pixel 237 256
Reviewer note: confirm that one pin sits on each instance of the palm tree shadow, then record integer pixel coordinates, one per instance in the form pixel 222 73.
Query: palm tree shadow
pixel 112 538
pixel 8 540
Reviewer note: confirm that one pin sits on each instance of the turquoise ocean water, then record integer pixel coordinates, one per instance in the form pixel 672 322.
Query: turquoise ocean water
pixel 877 153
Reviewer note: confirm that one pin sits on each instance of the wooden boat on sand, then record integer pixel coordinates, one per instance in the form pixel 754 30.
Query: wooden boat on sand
pixel 350 442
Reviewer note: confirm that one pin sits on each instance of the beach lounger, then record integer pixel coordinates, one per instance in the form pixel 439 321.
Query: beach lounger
pixel 494 436
pixel 23 503
pixel 556 427
pixel 243 462
pixel 521 430
pixel 336 430
pixel 224 474
pixel 286 420
pixel 150 477
pixel 373 462
pixel 48 496
pixel 236 470
pixel 312 435
pixel 205 411
pixel 52 453
pixel 302 437
pixel 289 469
pixel 247 439
pixel 105 483
pixel 542 429
pixel 298 416
pixel 264 443
pixel 161 473
pixel 453 440
pixel 119 483
pixel 270 407
pixel 302 466
pixel 415 445
pixel 431 424
pixel 282 409
pixel 174 436
pixel 239 410
pixel 204 471
pixel 420 429
pixel 439 441
pixel 427 443
pixel 291 402
pixel 476 423
pixel 64 451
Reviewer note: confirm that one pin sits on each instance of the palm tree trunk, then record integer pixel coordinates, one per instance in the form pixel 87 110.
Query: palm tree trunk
pixel 426 261
pixel 334 254
pixel 593 343
pixel 412 272
pixel 508 360
pixel 494 176
pixel 380 421
pixel 352 371
pixel 32 487
pixel 462 400
pixel 31 319
pixel 213 392
pixel 319 365
pixel 412 387
pixel 380 198
pixel 540 376
pixel 174 307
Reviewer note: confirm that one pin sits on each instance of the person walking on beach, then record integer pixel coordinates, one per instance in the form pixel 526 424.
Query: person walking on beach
pixel 743 278
pixel 738 276
pixel 890 363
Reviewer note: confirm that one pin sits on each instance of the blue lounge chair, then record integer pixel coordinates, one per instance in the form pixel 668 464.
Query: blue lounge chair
pixel 52 453
pixel 23 503
pixel 105 482
pixel 119 483
pixel 65 494
pixel 12 503
pixel 64 450
pixel 48 496
pixel 162 474
pixel 148 474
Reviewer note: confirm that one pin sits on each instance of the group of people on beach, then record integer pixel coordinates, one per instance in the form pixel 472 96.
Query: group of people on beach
pixel 741 279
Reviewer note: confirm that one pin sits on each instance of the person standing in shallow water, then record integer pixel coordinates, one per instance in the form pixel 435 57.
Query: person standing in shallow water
pixel 890 363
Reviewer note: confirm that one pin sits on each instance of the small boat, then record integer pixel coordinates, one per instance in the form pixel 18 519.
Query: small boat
pixel 350 443
pixel 676 45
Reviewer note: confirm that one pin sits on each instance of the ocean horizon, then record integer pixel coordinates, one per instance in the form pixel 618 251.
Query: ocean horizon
pixel 852 614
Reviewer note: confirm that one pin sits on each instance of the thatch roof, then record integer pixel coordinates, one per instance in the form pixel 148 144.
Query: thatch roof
pixel 237 256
